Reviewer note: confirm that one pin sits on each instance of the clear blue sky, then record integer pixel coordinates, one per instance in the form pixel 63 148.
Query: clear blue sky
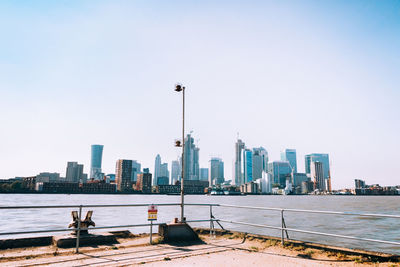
pixel 317 76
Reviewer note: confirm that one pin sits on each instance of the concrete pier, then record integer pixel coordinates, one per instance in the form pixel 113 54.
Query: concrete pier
pixel 225 249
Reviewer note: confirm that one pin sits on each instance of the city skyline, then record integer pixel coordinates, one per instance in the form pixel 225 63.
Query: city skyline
pixel 283 76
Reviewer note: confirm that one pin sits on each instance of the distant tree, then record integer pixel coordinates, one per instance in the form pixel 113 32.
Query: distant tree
pixel 5 187
pixel 16 186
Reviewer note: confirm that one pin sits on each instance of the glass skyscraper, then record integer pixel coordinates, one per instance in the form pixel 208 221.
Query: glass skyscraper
pixel 157 167
pixel 324 158
pixel 290 156
pixel 239 146
pixel 247 166
pixel 317 175
pixel 74 172
pixel 204 174
pixel 216 171
pixel 260 162
pixel 191 157
pixel 175 171
pixel 136 167
pixel 95 164
pixel 280 171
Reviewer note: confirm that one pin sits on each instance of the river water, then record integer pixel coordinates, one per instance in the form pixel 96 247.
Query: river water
pixel 375 228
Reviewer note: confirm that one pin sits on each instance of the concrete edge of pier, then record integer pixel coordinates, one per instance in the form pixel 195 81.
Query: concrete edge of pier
pixel 9 245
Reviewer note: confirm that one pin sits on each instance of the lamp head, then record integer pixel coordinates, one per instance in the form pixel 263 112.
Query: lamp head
pixel 178 143
pixel 179 87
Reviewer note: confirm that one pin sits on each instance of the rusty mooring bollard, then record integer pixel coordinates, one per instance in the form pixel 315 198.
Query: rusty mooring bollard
pixel 83 224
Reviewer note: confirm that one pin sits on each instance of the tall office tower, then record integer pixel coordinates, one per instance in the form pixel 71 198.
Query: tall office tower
pixel 247 166
pixel 280 172
pixel 123 174
pixel 264 155
pixel 143 182
pixel 216 171
pixel 317 175
pixel 175 171
pixel 257 165
pixel 191 157
pixel 238 175
pixel 135 170
pixel 204 174
pixel 260 162
pixel 75 173
pixel 157 166
pixel 290 156
pixel 164 170
pixel 95 163
pixel 324 158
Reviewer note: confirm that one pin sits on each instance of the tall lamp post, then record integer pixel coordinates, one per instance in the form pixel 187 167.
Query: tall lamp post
pixel 180 88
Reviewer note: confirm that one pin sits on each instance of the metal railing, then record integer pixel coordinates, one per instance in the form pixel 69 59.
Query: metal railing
pixel 284 230
pixel 80 207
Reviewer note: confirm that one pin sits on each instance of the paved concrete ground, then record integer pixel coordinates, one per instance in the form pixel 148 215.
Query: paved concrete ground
pixel 212 252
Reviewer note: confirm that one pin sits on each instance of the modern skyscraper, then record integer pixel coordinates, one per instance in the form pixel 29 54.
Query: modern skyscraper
pixel 204 174
pixel 191 156
pixel 247 166
pixel 136 169
pixel 257 165
pixel 75 173
pixel 317 175
pixel 95 163
pixel 280 171
pixel 157 166
pixel 175 171
pixel 324 158
pixel 143 182
pixel 216 171
pixel 290 156
pixel 239 146
pixel 164 171
pixel 260 162
pixel 123 174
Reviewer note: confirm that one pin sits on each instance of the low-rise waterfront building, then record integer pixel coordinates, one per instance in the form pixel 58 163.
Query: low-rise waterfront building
pixel 194 186
pixel 359 183
pixel 168 189
pixel 307 187
pixel 98 186
pixel 58 187
pixel 250 188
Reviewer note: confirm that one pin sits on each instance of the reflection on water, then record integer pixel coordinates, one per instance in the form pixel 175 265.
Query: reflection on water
pixel 367 227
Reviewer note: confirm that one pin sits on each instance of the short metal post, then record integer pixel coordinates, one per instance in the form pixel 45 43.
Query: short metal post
pixel 211 222
pixel 78 233
pixel 151 232
pixel 282 231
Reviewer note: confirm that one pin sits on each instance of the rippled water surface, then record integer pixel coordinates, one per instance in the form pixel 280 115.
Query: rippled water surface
pixel 374 228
